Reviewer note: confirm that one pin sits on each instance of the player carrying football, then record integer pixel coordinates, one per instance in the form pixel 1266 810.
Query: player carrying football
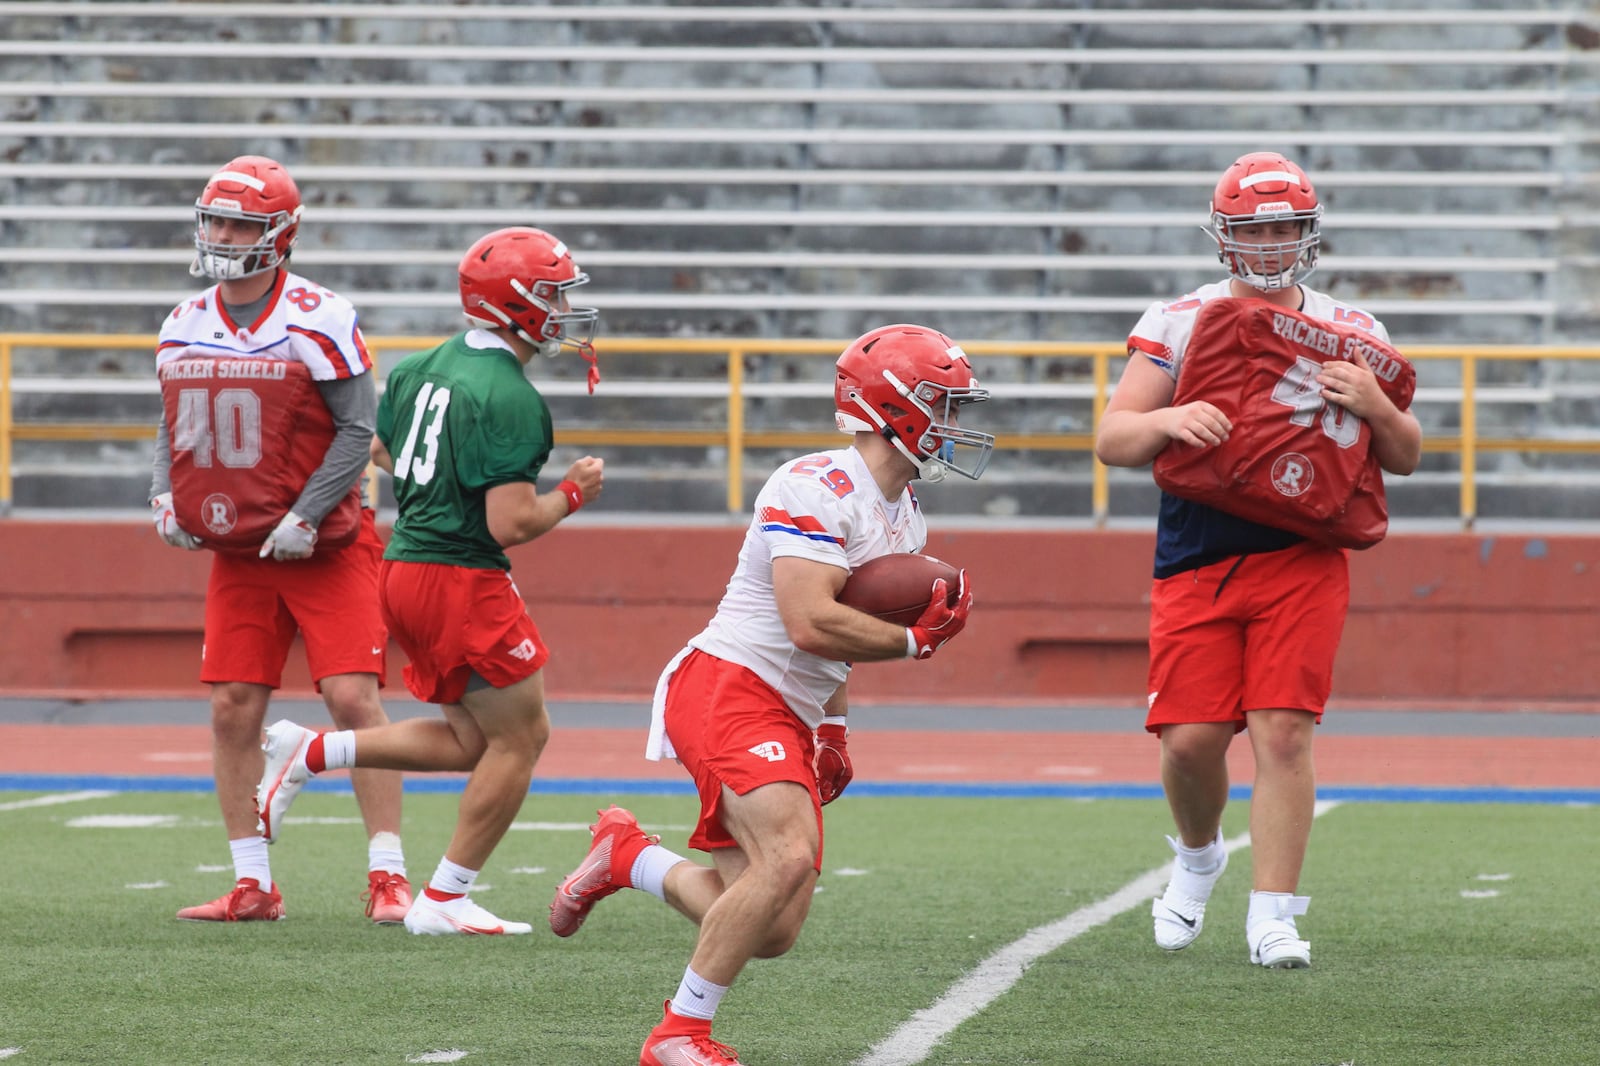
pixel 1246 616
pixel 755 707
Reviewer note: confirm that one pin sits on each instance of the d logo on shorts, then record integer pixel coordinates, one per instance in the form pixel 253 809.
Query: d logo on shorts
pixel 770 750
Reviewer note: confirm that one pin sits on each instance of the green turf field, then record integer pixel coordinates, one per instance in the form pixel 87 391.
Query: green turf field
pixel 1457 935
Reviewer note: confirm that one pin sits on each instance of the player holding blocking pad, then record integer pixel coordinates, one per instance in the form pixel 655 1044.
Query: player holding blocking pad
pixel 1258 401
pixel 465 435
pixel 268 402
pixel 755 707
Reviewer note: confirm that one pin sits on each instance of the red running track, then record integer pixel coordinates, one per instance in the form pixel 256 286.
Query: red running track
pixel 1032 758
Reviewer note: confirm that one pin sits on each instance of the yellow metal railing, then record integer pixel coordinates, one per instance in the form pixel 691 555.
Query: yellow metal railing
pixel 737 438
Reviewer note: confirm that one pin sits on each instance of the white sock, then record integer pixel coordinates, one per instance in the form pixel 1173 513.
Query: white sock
pixel 452 880
pixel 1267 905
pixel 339 749
pixel 250 860
pixel 1202 860
pixel 649 872
pixel 697 997
pixel 384 853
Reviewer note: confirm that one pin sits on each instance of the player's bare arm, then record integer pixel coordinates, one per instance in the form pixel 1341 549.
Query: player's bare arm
pixel 838 705
pixel 1396 434
pixel 1137 422
pixel 380 456
pixel 807 596
pixel 518 512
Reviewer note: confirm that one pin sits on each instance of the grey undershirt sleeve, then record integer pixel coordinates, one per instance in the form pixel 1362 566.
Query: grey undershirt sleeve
pixel 354 404
pixel 161 462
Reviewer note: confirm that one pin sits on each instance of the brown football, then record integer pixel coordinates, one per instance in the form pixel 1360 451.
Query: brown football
pixel 897 587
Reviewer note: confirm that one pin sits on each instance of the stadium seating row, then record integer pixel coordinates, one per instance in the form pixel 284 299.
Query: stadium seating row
pixel 1034 172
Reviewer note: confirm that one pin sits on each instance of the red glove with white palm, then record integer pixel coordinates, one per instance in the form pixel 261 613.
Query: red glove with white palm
pixel 940 621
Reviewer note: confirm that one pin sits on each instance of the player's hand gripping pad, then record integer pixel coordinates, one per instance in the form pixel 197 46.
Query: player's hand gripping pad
pixel 1293 460
pixel 247 434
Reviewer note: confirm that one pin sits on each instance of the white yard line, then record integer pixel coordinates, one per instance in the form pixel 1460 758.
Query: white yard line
pixel 994 976
pixel 55 798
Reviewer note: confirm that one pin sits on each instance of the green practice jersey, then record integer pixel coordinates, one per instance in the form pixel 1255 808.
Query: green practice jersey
pixel 458 420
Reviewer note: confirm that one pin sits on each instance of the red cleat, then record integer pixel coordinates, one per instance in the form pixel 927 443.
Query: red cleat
pixel 685 1042
pixel 246 903
pixel 617 842
pixel 388 897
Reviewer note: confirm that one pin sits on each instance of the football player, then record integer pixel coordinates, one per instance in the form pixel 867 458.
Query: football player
pixel 466 435
pixel 1246 616
pixel 268 409
pixel 754 708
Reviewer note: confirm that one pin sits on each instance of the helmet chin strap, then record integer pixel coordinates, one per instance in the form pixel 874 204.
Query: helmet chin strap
pixel 221 267
pixel 1269 282
pixel 929 469
pixel 932 471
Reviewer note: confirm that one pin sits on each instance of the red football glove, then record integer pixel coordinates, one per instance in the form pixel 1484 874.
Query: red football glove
pixel 940 621
pixel 833 761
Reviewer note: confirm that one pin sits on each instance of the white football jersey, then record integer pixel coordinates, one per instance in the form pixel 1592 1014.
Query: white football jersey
pixel 825 507
pixel 1163 331
pixel 302 322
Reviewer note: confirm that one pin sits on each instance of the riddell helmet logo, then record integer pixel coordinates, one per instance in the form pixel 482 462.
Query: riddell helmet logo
pixel 1292 474
pixel 218 513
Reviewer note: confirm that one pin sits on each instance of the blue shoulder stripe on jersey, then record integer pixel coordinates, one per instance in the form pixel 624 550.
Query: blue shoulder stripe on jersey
pixel 775 528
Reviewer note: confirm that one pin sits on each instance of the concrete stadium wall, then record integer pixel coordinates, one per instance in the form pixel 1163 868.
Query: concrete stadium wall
pixel 1503 621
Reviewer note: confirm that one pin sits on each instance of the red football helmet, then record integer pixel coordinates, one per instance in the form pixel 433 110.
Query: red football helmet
pixel 516 279
pixel 251 187
pixel 906 383
pixel 1266 187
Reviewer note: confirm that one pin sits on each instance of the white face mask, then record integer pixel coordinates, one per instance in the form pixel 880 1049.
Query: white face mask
pixel 225 261
pixel 1270 265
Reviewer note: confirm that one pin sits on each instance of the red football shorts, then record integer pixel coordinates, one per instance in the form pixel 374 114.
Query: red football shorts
pixel 1228 639
pixel 454 621
pixel 255 606
pixel 730 728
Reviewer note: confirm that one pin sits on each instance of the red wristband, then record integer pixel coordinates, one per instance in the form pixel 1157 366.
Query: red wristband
pixel 574 495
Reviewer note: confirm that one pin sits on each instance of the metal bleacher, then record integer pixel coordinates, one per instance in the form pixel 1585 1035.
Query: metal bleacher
pixel 1028 173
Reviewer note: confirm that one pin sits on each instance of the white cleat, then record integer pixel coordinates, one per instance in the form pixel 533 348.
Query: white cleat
pixel 456 917
pixel 1275 942
pixel 286 771
pixel 1180 911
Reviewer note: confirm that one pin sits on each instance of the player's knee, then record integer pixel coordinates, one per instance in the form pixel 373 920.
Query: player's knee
pixel 537 732
pixel 354 706
pixel 1190 756
pixel 237 713
pixel 1283 748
